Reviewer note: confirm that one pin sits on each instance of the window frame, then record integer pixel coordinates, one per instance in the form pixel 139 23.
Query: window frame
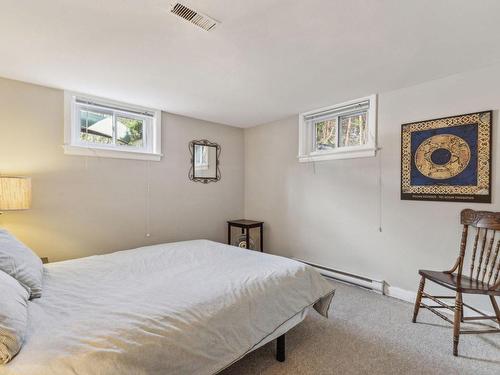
pixel 307 132
pixel 151 149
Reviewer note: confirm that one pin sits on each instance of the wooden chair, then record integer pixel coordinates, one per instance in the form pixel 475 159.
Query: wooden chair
pixel 479 276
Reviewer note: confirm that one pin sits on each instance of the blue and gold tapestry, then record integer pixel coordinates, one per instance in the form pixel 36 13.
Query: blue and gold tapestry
pixel 447 159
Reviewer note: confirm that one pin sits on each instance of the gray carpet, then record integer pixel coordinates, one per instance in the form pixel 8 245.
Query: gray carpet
pixel 370 333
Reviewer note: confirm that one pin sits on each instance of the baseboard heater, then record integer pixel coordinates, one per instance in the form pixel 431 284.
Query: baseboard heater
pixel 362 281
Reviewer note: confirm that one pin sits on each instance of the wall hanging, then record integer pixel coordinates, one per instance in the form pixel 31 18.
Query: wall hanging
pixel 204 161
pixel 447 159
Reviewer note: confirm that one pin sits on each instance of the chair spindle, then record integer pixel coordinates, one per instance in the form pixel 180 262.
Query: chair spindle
pixel 497 274
pixel 474 250
pixel 494 261
pixel 488 254
pixel 483 246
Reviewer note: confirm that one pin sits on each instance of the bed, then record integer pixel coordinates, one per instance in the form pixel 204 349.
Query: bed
pixel 192 307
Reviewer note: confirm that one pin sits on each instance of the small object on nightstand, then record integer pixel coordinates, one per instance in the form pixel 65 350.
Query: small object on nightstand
pixel 45 260
pixel 244 240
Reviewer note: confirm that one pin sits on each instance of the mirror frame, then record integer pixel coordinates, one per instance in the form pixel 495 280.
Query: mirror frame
pixel 204 180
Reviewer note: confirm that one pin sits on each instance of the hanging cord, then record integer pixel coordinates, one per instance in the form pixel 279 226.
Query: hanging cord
pixel 90 149
pixel 148 198
pixel 86 157
pixel 379 186
pixel 86 160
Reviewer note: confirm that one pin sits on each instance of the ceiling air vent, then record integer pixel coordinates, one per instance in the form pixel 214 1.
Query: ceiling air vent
pixel 199 19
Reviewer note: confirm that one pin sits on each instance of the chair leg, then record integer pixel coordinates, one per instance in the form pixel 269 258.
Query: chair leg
pixel 495 307
pixel 280 348
pixel 419 299
pixel 456 323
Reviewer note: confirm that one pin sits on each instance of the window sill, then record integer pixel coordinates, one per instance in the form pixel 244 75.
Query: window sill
pixel 337 155
pixel 106 153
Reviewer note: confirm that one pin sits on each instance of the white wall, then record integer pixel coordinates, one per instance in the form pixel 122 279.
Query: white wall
pixel 84 206
pixel 330 212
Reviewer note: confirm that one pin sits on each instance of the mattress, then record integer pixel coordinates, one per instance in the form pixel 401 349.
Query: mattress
pixel 190 307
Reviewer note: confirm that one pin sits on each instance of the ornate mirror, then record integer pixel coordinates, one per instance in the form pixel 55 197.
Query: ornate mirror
pixel 204 161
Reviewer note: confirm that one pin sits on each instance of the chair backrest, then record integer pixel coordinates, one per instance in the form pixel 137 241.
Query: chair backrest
pixel 484 264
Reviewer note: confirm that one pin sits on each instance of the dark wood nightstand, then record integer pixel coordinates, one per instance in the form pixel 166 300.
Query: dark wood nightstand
pixel 245 226
pixel 45 260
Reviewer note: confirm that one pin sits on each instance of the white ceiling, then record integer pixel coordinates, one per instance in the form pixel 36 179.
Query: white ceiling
pixel 268 59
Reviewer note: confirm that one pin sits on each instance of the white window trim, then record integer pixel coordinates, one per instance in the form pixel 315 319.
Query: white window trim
pixel 73 147
pixel 306 151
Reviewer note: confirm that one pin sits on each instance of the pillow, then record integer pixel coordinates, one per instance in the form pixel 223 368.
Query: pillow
pixel 13 317
pixel 21 263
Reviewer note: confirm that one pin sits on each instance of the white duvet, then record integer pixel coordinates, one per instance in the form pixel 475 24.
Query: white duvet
pixel 189 307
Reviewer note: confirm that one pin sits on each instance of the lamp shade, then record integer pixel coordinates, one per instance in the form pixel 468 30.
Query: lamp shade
pixel 15 193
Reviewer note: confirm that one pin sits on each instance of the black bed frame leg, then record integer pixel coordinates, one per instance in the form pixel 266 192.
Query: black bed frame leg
pixel 280 348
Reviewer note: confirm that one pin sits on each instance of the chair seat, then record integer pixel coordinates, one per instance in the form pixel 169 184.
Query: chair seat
pixel 467 285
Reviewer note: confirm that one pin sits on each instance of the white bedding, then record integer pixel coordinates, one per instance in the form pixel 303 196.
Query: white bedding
pixel 189 307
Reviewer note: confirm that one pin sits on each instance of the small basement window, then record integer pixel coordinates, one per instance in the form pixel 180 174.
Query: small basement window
pixel 342 131
pixel 99 127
